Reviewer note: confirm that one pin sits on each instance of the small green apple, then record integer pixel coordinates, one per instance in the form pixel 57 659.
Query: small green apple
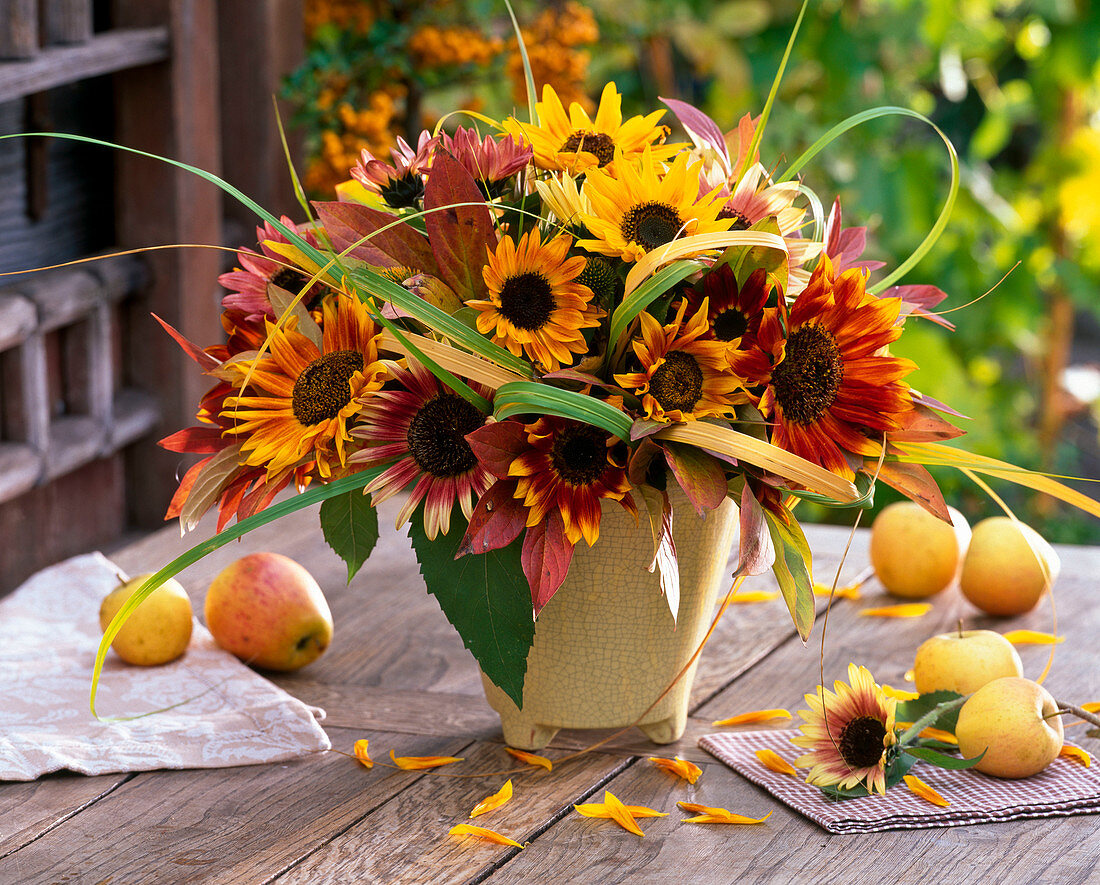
pixel 158 630
pixel 268 610
pixel 1015 721
pixel 964 661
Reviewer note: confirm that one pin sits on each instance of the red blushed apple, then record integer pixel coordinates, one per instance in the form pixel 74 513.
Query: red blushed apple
pixel 268 611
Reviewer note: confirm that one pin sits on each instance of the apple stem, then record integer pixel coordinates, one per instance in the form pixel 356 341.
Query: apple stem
pixel 959 627
pixel 1076 711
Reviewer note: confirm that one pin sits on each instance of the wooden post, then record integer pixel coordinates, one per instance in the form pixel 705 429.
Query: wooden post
pixel 66 21
pixel 18 28
pixel 169 109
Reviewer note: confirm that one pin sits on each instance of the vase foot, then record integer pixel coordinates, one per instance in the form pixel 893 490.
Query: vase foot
pixel 665 731
pixel 523 735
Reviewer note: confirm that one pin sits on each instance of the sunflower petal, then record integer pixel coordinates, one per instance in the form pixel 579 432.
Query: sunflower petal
pixel 899 694
pixel 754 716
pixel 421 763
pixel 600 810
pixel 1032 637
pixel 920 788
pixel 1076 754
pixel 775 762
pixel 705 814
pixel 906 610
pixel 530 758
pixel 849 592
pixel 689 771
pixel 362 754
pixel 620 813
pixel 749 596
pixel 491 803
pixel 938 734
pixel 482 833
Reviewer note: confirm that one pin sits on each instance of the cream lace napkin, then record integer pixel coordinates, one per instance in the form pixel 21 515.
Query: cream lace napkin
pixel 221 712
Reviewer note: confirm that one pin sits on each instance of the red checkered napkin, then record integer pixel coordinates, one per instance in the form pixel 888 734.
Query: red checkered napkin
pixel 1064 788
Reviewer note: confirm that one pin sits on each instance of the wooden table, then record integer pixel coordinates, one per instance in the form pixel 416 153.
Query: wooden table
pixel 398 675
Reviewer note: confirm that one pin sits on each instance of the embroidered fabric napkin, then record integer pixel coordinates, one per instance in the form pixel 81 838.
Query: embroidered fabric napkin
pixel 220 713
pixel 1064 788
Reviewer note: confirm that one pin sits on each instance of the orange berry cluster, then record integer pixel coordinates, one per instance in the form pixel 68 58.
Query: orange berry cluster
pixel 551 43
pixel 435 47
pixel 355 15
pixel 370 128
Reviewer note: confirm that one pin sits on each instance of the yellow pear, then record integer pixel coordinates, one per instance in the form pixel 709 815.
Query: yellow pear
pixel 1008 567
pixel 915 554
pixel 158 630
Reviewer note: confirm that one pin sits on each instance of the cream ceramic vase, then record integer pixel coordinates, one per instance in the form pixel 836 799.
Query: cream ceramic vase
pixel 606 645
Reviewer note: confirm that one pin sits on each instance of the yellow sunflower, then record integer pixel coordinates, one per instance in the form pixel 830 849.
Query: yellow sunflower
pixel 848 733
pixel 305 394
pixel 576 143
pixel 642 207
pixel 682 376
pixel 536 305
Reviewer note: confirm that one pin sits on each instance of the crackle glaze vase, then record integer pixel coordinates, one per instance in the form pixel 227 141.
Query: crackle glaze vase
pixel 606 645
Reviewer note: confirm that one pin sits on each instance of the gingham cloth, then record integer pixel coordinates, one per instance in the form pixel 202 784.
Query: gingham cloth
pixel 1065 787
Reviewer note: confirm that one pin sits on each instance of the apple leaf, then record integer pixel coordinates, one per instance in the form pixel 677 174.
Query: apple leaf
pixel 927 754
pixel 485 597
pixel 350 526
pixel 918 710
pixel 792 570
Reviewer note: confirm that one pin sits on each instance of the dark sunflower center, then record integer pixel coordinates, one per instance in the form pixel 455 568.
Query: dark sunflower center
pixel 593 143
pixel 322 389
pixel 861 741
pixel 739 221
pixel 526 300
pixel 807 381
pixel 678 382
pixel 292 281
pixel 437 432
pixel 729 325
pixel 651 225
pixel 403 192
pixel 579 454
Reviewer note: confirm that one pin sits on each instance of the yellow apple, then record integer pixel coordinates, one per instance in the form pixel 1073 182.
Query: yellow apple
pixel 267 610
pixel 1008 567
pixel 158 630
pixel 915 554
pixel 964 661
pixel 1013 720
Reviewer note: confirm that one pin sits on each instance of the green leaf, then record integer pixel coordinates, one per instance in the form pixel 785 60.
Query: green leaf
pixel 955 763
pixel 485 597
pixel 534 398
pixel 350 526
pixel 792 571
pixel 912 710
pixel 945 711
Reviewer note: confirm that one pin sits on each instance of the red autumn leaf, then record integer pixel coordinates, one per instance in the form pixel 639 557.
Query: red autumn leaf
pixel 545 558
pixel 921 424
pixel 497 445
pixel 915 482
pixel 756 550
pixel 460 235
pixel 200 356
pixel 175 506
pixel 701 476
pixel 496 522
pixel 704 128
pixel 197 440
pixel 347 223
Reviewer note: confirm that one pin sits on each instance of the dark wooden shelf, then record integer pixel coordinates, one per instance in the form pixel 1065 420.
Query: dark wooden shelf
pixel 104 53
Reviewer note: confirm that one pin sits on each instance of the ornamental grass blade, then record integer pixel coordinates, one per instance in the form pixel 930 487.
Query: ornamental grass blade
pixel 361 751
pixel 1075 754
pixel 752 716
pixel 773 761
pixel 483 834
pixel 905 610
pixel 919 788
pixel 491 803
pixel 422 763
pixel 530 758
pixel 683 768
pixel 532 397
pixel 1033 637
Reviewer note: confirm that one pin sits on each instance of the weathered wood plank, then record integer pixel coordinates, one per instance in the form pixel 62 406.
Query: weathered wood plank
pixel 19 36
pixel 66 21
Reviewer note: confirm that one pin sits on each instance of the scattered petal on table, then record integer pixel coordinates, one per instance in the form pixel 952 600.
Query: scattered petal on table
pixel 482 833
pixel 689 771
pixel 361 753
pixel 849 592
pixel 754 716
pixel 530 758
pixel 420 763
pixel 490 803
pixel 1076 754
pixel 598 809
pixel 905 610
pixel 708 815
pixel 1032 637
pixel 1091 707
pixel 749 596
pixel 920 788
pixel 775 762
pixel 938 734
pixel 899 694
pixel 620 813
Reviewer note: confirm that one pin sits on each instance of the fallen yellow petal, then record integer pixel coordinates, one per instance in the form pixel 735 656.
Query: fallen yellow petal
pixel 1032 637
pixel 1091 707
pixel 899 694
pixel 754 716
pixel 1076 754
pixel 360 751
pixel 775 762
pixel 689 771
pixel 849 592
pixel 920 788
pixel 905 610
pixel 938 734
pixel 530 758
pixel 748 596
pixel 708 815
pixel 598 809
pixel 620 813
pixel 482 833
pixel 420 763
pixel 493 802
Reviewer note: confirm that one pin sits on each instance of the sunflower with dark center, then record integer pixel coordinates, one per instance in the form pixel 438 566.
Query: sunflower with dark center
pixel 571 467
pixel 422 425
pixel 848 733
pixel 830 387
pixel 643 206
pixel 575 143
pixel 683 374
pixel 536 306
pixel 305 395
pixel 734 312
